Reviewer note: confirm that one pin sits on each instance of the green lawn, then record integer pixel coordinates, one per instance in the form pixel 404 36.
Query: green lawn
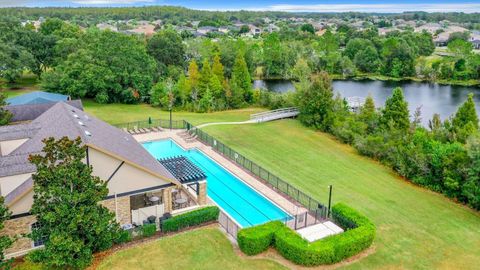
pixel 200 249
pixel 121 113
pixel 417 229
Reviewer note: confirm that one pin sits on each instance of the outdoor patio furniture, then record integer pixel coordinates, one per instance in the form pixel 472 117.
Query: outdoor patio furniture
pixel 180 202
pixel 152 219
pixel 154 199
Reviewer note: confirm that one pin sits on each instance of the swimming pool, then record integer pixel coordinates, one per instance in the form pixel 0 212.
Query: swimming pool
pixel 239 200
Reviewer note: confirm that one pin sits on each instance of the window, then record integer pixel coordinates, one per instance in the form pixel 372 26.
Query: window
pixel 41 240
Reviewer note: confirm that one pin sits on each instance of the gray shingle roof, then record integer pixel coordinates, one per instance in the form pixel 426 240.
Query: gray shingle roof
pixel 65 120
pixel 28 112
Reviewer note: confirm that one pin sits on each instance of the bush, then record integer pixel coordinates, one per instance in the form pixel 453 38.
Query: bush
pixel 255 240
pixel 123 237
pixel 190 219
pixel 298 250
pixel 359 234
pixel 149 230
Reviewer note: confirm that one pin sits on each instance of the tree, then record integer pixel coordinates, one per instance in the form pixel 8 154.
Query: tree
pixel 272 54
pixel 460 48
pixel 205 75
pixel 367 60
pixel 50 25
pixel 315 102
pixel 5 240
pixel 398 58
pixel 308 28
pixel 5 115
pixel 241 77
pixel 13 61
pixel 167 48
pixel 66 199
pixel 471 188
pixel 217 68
pixel 193 80
pixel 368 114
pixel 356 45
pixel 110 67
pixel 395 114
pixel 301 70
pixel 466 115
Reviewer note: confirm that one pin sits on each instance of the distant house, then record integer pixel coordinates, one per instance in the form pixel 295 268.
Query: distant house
pixel 37 97
pixel 476 44
pixel 144 29
pixel 206 29
pixel 272 28
pixel 224 30
pixel 441 39
pixel 254 30
pixel 106 26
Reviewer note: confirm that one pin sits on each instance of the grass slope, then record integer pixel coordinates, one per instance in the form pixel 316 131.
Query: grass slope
pixel 200 249
pixel 121 113
pixel 416 228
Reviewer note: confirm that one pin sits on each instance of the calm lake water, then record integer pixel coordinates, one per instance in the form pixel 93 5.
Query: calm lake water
pixel 432 98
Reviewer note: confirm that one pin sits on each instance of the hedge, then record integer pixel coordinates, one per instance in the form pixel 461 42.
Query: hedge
pixel 149 230
pixel 255 240
pixel 190 219
pixel 359 234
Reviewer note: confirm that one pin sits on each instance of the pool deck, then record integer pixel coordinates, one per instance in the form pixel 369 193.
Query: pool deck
pixel 262 188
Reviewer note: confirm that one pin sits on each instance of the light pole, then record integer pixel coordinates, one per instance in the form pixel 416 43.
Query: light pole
pixel 329 200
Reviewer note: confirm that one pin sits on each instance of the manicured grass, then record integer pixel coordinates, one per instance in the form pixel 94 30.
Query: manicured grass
pixel 200 249
pixel 121 113
pixel 416 228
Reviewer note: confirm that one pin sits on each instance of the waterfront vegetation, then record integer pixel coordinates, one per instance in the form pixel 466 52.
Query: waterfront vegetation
pixel 416 228
pixel 114 67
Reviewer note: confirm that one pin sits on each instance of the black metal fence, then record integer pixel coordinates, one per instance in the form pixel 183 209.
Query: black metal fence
pixel 316 209
pixel 175 124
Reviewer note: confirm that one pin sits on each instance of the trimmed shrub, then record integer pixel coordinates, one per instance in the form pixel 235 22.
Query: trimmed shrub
pixel 123 237
pixel 255 240
pixel 149 230
pixel 359 234
pixel 298 250
pixel 190 219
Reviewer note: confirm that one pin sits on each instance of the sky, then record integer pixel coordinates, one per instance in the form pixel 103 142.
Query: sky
pixel 380 6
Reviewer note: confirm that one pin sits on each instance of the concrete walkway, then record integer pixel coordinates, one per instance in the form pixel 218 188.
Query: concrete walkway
pixel 228 123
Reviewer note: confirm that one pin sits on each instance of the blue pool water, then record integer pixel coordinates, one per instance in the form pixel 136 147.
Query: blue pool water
pixel 239 200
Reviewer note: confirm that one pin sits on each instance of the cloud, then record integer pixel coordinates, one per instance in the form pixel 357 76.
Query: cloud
pixel 111 2
pixel 379 8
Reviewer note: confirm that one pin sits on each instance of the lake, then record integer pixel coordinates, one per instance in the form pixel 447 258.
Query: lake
pixel 431 97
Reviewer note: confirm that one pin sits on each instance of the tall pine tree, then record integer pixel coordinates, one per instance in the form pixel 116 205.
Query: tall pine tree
pixel 241 77
pixel 396 114
pixel 466 114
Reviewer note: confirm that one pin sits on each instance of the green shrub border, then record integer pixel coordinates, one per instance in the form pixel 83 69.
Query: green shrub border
pixel 359 235
pixel 192 218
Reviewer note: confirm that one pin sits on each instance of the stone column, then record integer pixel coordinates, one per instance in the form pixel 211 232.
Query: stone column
pixel 167 199
pixel 202 192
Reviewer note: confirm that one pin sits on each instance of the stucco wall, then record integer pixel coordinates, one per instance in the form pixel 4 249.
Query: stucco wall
pixel 22 205
pixel 9 183
pixel 127 178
